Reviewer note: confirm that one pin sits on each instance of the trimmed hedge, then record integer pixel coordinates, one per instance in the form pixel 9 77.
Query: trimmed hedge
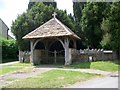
pixel 9 50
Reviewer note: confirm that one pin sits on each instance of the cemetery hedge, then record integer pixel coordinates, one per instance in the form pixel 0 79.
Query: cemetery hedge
pixel 9 50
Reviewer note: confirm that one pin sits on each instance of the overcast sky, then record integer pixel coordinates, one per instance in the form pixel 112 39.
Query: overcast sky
pixel 10 9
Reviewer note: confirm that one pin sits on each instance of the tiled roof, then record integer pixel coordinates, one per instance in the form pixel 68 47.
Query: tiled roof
pixel 52 28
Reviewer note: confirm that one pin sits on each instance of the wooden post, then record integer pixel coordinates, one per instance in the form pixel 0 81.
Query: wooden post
pixel 55 56
pixel 32 55
pixel 46 51
pixel 67 59
pixel 66 48
pixel 75 46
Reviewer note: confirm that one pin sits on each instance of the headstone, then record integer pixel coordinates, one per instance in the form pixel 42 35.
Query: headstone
pixel 90 58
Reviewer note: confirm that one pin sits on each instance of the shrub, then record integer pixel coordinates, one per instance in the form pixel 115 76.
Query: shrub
pixel 9 49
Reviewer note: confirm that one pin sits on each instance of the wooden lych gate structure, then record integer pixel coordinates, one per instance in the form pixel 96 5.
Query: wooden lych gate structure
pixel 50 32
pixel 49 57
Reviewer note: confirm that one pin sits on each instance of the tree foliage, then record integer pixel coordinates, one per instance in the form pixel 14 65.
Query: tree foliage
pixel 97 23
pixel 9 49
pixel 92 16
pixel 114 21
pixel 33 18
pixel 106 35
pixel 77 9
pixel 54 4
pixel 111 27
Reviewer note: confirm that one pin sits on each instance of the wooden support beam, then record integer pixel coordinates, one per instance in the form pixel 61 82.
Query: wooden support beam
pixel 67 56
pixel 61 42
pixel 34 44
pixel 32 50
pixel 66 48
pixel 55 56
pixel 74 43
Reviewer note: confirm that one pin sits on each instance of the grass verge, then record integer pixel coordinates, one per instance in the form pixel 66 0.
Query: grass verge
pixel 99 65
pixel 52 79
pixel 13 67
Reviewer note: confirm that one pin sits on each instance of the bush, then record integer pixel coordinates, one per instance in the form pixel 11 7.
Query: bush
pixel 9 49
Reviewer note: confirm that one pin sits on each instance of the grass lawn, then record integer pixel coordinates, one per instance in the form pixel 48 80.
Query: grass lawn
pixel 100 65
pixel 52 79
pixel 13 67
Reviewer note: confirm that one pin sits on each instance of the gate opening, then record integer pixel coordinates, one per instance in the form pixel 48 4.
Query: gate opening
pixel 53 55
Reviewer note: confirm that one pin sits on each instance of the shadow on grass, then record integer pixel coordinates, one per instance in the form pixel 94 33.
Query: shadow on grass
pixel 116 61
pixel 49 66
pixel 98 64
pixel 82 65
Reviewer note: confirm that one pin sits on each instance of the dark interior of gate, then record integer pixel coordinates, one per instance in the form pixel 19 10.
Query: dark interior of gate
pixel 53 54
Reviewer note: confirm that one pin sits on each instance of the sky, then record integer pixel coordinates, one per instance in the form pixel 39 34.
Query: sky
pixel 10 9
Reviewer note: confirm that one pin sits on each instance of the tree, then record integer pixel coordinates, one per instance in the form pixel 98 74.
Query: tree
pixel 110 26
pixel 114 20
pixel 77 9
pixel 19 29
pixel 105 26
pixel 33 18
pixel 54 4
pixel 92 16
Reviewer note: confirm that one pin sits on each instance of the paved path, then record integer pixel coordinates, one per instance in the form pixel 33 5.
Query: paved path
pixel 9 63
pixel 104 82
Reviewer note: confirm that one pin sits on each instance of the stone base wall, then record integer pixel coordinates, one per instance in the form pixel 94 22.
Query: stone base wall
pixel 92 55
pixel 74 56
pixel 24 56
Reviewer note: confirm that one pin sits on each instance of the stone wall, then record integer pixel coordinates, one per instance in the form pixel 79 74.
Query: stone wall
pixel 74 55
pixel 92 55
pixel 24 56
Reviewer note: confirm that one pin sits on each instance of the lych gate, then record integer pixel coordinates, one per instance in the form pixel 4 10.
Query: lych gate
pixel 48 33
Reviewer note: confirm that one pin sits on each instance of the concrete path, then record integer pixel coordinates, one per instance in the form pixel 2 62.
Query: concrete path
pixel 9 63
pixel 104 82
